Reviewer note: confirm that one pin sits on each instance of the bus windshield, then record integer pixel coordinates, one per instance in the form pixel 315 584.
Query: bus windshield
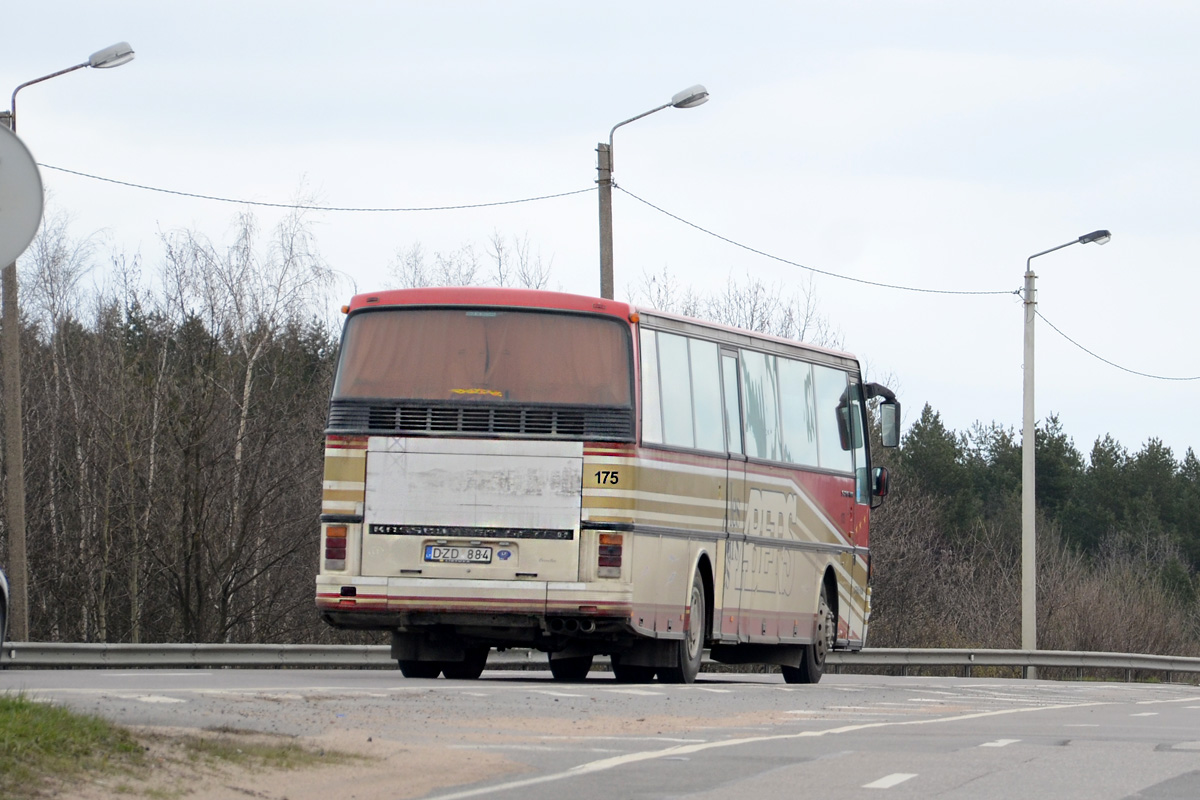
pixel 481 354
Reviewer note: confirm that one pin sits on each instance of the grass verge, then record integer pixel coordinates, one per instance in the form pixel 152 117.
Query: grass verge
pixel 44 748
pixel 40 741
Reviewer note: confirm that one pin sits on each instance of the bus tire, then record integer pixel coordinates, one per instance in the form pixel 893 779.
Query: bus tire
pixel 691 646
pixel 470 668
pixel 631 673
pixel 571 669
pixel 419 669
pixel 812 664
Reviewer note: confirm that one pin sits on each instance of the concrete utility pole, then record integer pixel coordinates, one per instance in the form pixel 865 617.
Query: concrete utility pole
pixel 14 429
pixel 688 98
pixel 1028 479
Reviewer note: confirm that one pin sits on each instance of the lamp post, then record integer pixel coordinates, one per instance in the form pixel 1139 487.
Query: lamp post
pixel 14 433
pixel 1028 497
pixel 688 98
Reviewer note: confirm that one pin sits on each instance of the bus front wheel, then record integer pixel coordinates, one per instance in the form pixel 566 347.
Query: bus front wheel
pixel 812 664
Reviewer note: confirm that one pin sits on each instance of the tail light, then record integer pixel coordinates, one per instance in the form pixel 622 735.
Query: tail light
pixel 608 565
pixel 335 547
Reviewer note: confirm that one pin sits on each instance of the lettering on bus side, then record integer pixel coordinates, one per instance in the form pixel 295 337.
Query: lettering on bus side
pixel 752 567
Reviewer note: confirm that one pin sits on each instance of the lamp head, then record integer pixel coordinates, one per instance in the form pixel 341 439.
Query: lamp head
pixel 1097 237
pixel 120 53
pixel 691 97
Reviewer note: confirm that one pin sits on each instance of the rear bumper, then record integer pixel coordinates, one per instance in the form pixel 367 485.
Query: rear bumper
pixel 397 602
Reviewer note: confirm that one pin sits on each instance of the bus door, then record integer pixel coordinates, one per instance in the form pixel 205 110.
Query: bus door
pixel 729 600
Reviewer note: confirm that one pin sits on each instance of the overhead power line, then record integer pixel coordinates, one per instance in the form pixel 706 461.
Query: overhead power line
pixel 781 260
pixel 1110 363
pixel 676 217
pixel 307 207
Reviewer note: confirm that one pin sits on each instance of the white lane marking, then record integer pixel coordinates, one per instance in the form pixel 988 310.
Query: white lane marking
pixel 636 692
pixel 1145 714
pixel 1177 700
pixel 1193 708
pixel 1000 743
pixel 157 698
pixel 926 700
pixel 605 764
pixel 714 691
pixel 557 694
pixel 476 694
pixel 888 781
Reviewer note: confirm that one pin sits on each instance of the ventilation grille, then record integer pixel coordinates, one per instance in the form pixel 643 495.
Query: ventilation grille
pixel 587 423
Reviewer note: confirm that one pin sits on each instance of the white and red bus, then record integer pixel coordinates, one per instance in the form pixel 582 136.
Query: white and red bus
pixel 514 468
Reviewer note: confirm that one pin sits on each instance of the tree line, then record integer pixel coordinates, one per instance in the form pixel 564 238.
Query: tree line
pixel 174 421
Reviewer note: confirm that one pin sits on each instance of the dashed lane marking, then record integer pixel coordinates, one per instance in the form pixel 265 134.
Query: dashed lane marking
pixel 606 764
pixel 888 781
pixel 1145 714
pixel 156 698
pixel 1000 743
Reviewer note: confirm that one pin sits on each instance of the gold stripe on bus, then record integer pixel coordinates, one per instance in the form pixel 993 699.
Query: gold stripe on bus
pixel 338 468
pixel 342 494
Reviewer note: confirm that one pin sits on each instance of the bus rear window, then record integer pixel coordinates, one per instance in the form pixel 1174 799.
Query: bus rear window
pixel 481 354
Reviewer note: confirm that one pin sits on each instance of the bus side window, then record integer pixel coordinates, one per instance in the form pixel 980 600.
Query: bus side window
pixel 676 387
pixel 706 394
pixel 733 405
pixel 762 412
pixel 831 401
pixel 651 403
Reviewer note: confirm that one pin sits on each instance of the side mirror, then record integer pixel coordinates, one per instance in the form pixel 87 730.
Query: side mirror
pixel 879 482
pixel 889 423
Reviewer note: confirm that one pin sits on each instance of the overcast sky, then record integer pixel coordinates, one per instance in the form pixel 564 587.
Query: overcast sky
pixel 933 145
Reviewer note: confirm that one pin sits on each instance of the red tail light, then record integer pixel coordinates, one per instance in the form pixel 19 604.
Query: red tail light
pixel 335 547
pixel 608 565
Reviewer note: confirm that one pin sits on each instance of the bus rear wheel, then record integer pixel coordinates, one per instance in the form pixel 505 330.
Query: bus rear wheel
pixel 691 647
pixel 812 664
pixel 470 668
pixel 420 669
pixel 571 669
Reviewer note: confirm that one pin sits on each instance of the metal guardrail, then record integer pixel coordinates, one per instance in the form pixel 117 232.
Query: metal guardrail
pixel 67 655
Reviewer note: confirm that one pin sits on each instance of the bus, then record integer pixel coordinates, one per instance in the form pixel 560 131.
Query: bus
pixel 510 468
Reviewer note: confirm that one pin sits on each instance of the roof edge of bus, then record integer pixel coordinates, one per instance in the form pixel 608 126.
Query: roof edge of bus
pixel 705 323
pixel 539 298
pixel 490 296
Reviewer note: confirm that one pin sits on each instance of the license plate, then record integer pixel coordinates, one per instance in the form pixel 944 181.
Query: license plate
pixel 458 555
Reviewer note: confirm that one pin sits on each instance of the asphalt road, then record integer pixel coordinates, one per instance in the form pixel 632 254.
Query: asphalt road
pixel 727 736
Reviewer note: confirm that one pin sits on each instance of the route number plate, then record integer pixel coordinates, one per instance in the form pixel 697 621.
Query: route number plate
pixel 458 555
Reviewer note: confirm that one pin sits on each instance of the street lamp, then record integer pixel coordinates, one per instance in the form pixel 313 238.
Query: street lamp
pixel 14 434
pixel 1028 503
pixel 688 98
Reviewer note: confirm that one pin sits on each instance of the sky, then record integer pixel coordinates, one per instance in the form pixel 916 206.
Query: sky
pixel 928 144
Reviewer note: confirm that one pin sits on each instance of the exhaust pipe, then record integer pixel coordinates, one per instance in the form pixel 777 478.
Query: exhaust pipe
pixel 572 626
pixel 556 625
pixel 587 626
